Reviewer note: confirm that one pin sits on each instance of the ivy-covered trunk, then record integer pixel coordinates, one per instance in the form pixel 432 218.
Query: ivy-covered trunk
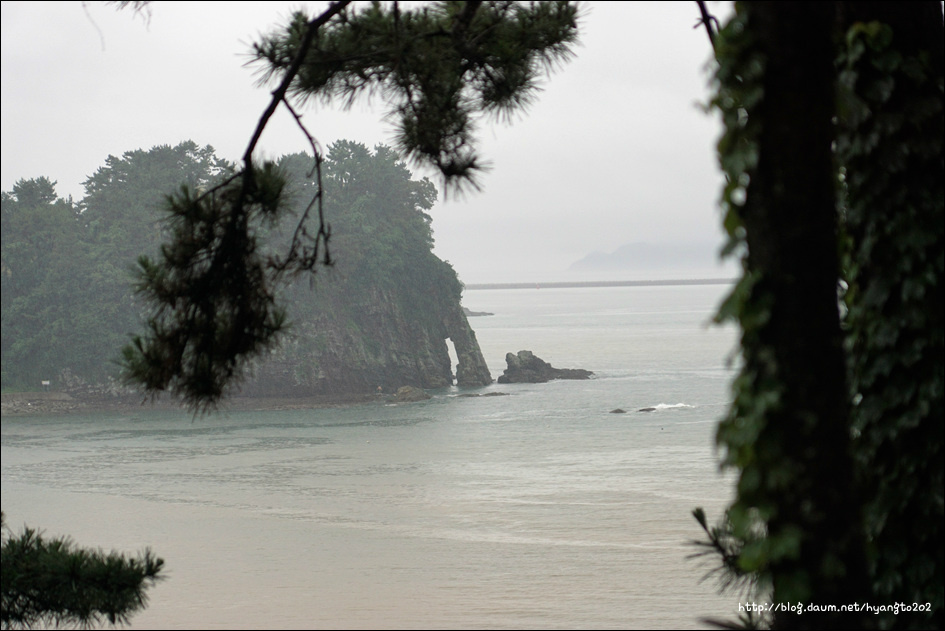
pixel 837 432
pixel 788 431
pixel 890 143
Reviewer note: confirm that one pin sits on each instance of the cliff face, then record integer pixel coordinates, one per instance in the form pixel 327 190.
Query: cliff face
pixel 371 346
pixel 383 315
pixel 471 369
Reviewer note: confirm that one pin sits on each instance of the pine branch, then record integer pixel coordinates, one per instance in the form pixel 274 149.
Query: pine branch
pixel 278 95
pixel 708 20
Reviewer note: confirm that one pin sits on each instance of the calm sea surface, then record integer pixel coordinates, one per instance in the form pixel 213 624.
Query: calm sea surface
pixel 540 509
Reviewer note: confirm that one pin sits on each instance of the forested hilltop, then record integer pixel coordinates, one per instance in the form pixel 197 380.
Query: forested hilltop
pixel 379 317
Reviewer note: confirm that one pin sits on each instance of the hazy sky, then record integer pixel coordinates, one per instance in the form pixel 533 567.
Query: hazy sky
pixel 615 150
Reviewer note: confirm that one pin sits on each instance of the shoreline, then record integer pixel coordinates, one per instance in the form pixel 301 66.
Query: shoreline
pixel 25 404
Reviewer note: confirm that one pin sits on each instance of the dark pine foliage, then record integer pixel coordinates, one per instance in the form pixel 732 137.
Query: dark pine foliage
pixel 53 582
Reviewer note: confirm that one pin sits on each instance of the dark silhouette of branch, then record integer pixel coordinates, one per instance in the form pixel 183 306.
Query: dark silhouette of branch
pixel 708 20
pixel 308 258
pixel 278 95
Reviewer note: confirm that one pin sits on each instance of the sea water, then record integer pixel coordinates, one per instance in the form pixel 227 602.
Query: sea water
pixel 537 508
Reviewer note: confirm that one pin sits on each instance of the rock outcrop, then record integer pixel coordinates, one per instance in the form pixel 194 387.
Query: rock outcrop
pixel 475 314
pixel 410 394
pixel 525 367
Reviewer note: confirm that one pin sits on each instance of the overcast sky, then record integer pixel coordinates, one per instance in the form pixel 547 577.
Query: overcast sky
pixel 614 151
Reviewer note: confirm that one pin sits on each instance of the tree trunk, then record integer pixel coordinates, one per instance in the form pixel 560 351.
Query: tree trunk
pixel 803 449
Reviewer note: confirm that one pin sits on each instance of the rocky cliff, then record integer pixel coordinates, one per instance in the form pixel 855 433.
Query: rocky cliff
pixel 370 346
pixel 383 315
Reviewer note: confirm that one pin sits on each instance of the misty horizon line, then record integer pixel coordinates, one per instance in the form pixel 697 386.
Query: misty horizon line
pixel 600 283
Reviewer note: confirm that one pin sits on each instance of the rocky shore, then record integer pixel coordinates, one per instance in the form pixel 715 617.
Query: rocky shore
pixel 59 403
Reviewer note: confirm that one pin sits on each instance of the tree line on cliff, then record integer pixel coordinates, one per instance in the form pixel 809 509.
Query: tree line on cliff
pixel 69 303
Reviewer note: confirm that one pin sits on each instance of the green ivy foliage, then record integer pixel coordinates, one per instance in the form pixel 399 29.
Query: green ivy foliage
pixel 890 143
pixel 739 91
pixel 888 153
